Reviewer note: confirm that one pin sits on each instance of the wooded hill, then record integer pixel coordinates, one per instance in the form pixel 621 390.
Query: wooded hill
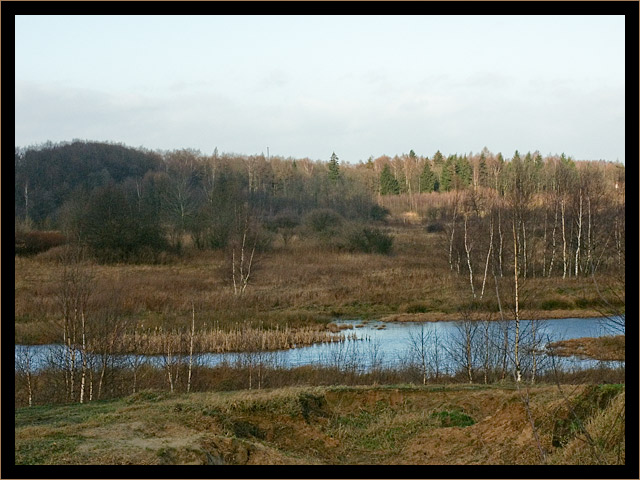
pixel 128 204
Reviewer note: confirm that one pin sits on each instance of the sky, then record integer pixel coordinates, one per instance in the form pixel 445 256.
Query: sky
pixel 307 86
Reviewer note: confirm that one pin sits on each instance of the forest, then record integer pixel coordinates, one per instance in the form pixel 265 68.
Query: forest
pixel 133 205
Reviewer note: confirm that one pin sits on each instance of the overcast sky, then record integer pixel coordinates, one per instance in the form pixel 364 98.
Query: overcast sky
pixel 308 86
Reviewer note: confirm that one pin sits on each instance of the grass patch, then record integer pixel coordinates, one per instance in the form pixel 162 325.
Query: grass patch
pixel 453 418
pixel 51 449
pixel 555 304
pixel 62 415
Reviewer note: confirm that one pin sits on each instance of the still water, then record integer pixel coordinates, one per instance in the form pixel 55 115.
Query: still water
pixel 381 345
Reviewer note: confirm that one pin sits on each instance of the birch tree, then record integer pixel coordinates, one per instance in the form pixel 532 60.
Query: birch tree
pixel 75 288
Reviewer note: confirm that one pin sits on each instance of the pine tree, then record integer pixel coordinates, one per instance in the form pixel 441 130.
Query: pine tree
pixel 388 183
pixel 334 168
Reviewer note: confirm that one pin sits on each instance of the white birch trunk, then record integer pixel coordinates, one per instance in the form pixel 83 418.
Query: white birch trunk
pixel 517 314
pixel 486 265
pixel 579 236
pixel 468 251
pixel 193 325
pixel 564 241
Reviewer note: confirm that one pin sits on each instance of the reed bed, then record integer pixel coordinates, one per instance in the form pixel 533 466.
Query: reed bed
pixel 215 340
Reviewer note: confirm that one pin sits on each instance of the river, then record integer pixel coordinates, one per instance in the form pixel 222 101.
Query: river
pixel 395 344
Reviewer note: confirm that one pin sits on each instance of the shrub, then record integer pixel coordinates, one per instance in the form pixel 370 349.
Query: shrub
pixel 378 213
pixel 555 304
pixel 369 240
pixel 114 230
pixel 435 227
pixel 30 243
pixel 323 221
pixel 415 307
pixel 283 223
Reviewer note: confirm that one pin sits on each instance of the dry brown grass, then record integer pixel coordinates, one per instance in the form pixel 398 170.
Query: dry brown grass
pixel 239 339
pixel 301 285
pixel 599 348
pixel 317 425
pixel 604 440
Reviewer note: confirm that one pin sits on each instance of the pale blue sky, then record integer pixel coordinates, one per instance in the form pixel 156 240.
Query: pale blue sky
pixel 308 86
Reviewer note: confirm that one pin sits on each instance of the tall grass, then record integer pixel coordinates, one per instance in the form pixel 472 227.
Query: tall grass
pixel 241 338
pixel 301 285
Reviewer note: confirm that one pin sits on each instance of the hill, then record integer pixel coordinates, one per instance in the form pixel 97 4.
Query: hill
pixel 46 176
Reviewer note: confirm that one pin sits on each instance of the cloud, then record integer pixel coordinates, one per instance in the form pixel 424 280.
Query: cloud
pixel 423 115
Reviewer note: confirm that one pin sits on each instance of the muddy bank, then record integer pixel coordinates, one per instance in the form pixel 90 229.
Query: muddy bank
pixel 610 348
pixel 524 315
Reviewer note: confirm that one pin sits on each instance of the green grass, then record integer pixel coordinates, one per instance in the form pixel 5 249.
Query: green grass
pixel 453 419
pixel 63 415
pixel 52 448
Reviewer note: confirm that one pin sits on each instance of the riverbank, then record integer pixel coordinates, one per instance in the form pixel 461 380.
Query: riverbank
pixel 601 348
pixel 397 424
pixel 491 316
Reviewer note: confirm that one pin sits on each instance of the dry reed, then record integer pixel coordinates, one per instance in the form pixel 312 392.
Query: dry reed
pixel 215 340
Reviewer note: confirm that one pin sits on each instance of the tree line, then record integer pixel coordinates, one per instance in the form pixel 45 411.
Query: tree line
pixel 128 203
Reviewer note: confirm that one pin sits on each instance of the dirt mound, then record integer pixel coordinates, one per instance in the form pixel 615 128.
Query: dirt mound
pixel 503 437
pixel 432 425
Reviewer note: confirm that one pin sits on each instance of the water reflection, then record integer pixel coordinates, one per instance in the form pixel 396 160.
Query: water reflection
pixel 445 346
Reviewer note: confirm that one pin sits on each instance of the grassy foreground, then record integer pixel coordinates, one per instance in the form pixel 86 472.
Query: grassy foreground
pixel 470 424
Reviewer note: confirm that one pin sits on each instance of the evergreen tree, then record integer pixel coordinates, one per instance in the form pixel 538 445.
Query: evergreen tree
pixel 448 173
pixel 438 159
pixel 483 173
pixel 463 170
pixel 428 179
pixel 370 165
pixel 388 183
pixel 500 174
pixel 538 168
pixel 334 168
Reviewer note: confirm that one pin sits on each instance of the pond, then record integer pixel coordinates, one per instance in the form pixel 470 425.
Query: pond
pixel 389 345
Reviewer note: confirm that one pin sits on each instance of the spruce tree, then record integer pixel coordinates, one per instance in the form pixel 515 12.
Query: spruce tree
pixel 463 170
pixel 438 159
pixel 388 183
pixel 334 168
pixel 428 179
pixel 446 179
pixel 483 173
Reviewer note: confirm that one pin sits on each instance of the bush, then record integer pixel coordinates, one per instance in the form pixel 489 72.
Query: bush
pixel 369 240
pixel 415 307
pixel 283 223
pixel 30 243
pixel 378 213
pixel 435 227
pixel 115 230
pixel 323 221
pixel 555 304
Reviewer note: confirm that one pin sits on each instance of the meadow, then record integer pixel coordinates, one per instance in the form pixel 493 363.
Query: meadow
pixel 297 286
